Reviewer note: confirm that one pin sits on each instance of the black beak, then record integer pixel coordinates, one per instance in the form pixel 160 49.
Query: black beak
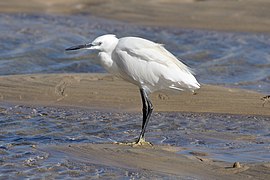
pixel 82 46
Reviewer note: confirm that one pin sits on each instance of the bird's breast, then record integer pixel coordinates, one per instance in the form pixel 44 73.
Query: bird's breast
pixel 135 70
pixel 107 62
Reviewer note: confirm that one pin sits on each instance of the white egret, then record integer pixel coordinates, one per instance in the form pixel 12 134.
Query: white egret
pixel 144 63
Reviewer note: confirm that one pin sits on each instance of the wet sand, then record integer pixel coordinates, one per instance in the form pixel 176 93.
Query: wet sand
pixel 161 160
pixel 229 15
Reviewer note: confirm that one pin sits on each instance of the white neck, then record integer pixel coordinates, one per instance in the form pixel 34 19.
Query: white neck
pixel 106 61
pixel 105 55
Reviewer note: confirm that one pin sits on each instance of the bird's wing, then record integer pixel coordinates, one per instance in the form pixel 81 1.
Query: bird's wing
pixel 141 61
pixel 150 51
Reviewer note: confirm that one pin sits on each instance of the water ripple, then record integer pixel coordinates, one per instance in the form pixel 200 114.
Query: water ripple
pixel 36 43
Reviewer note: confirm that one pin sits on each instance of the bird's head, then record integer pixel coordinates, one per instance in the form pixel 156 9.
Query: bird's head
pixel 105 43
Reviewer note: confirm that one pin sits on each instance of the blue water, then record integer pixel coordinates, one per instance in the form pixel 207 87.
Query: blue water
pixel 26 129
pixel 36 43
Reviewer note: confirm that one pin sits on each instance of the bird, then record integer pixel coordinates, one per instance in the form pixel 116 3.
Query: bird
pixel 144 63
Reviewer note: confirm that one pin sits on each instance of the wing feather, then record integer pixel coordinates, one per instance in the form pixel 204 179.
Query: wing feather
pixel 150 51
pixel 144 62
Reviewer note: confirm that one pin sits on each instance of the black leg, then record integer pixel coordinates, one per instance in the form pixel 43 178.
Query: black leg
pixel 147 111
pixel 145 107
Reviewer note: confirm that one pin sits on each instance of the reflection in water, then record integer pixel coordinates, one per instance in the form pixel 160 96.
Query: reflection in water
pixel 36 43
pixel 24 129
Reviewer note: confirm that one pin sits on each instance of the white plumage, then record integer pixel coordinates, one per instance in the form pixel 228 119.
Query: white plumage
pixel 151 66
pixel 144 63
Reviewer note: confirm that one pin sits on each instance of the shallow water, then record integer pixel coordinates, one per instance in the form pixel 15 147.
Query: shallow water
pixel 25 128
pixel 36 43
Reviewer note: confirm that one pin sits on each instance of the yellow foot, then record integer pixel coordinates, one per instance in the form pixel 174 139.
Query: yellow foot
pixel 141 142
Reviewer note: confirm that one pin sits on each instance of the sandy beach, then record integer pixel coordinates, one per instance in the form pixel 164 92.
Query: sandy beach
pixel 104 92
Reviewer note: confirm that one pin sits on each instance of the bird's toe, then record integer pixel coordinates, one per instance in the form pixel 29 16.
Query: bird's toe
pixel 142 142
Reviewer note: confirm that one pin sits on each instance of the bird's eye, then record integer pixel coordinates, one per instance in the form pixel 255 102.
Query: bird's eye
pixel 99 43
